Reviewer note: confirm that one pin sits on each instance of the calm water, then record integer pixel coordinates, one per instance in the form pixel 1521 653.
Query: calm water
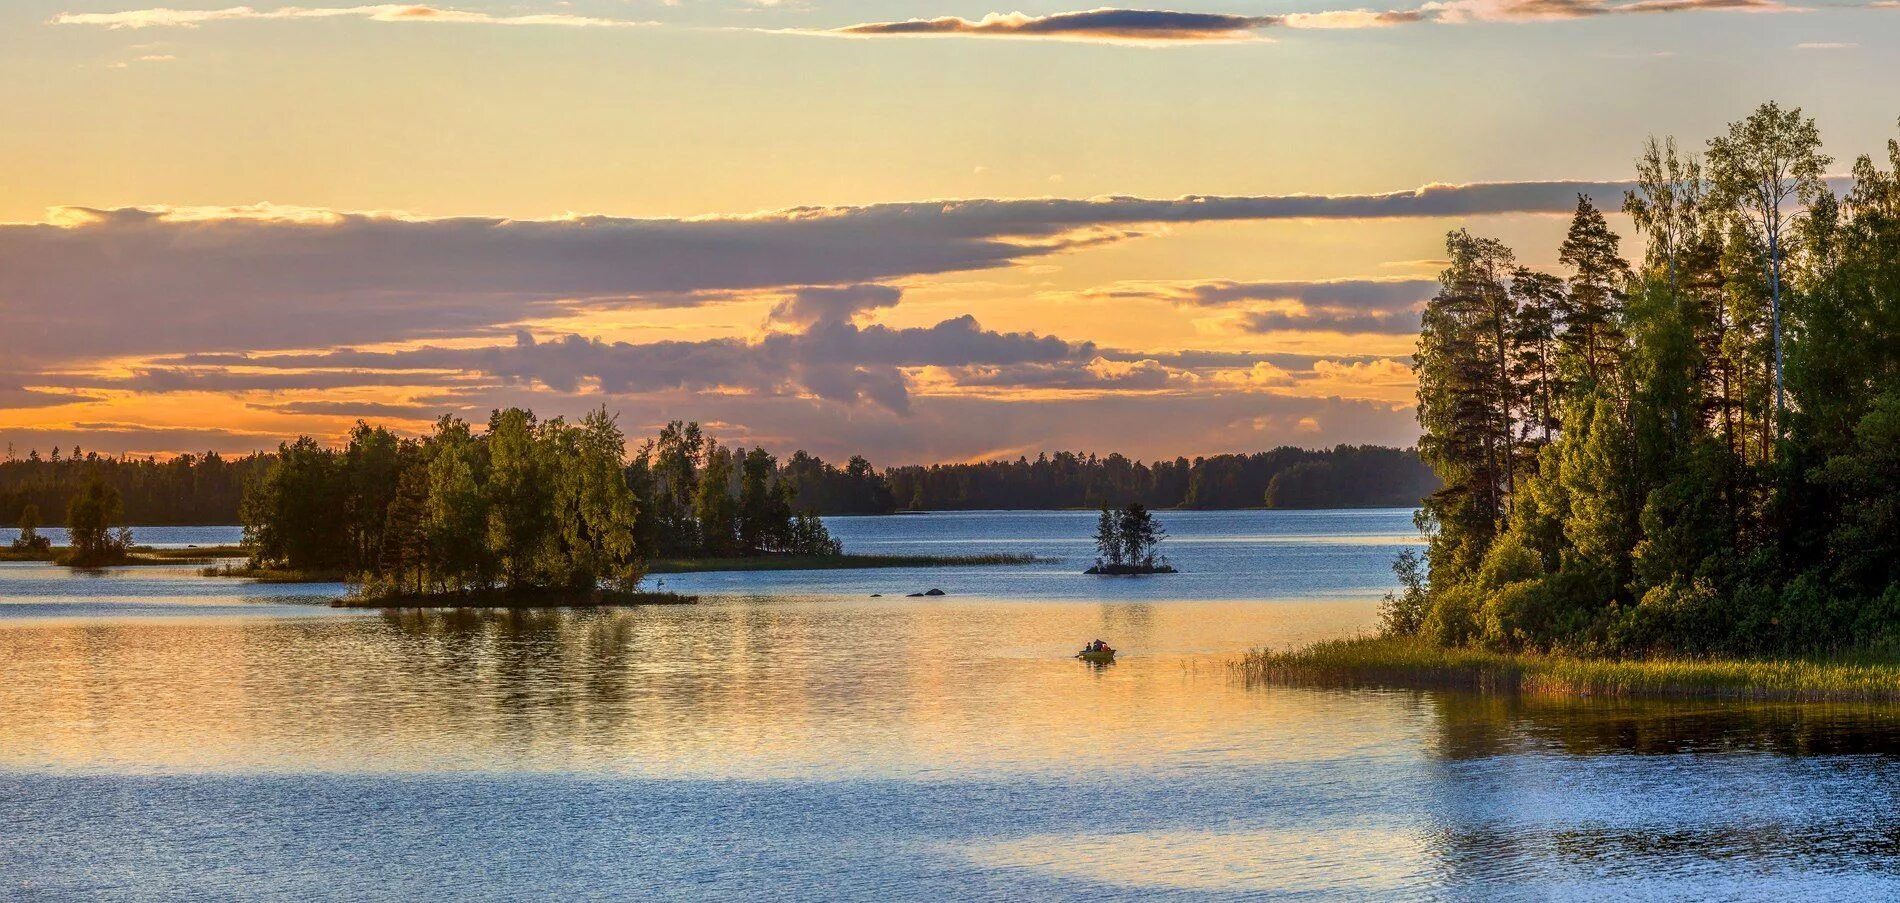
pixel 163 736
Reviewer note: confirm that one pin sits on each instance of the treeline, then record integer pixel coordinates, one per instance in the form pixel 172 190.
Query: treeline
pixel 1700 454
pixel 526 504
pixel 207 489
pixel 187 489
pixel 1348 476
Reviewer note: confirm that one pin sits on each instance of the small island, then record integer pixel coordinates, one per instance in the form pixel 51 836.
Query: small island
pixel 530 514
pixel 1128 543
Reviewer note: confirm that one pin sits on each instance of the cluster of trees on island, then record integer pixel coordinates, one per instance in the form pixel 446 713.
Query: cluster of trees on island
pixel 95 537
pixel 208 488
pixel 1128 541
pixel 525 504
pixel 1697 454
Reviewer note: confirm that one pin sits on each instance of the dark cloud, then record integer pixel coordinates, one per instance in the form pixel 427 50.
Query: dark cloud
pixel 1238 360
pixel 1099 374
pixel 1347 305
pixel 813 304
pixel 15 396
pixel 1097 24
pixel 1332 320
pixel 113 438
pixel 1354 294
pixel 367 410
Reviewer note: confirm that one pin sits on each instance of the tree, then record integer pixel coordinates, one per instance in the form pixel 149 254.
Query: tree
pixel 714 507
pixel 89 527
pixel 1108 539
pixel 293 512
pixel 455 518
pixel 1539 299
pixel 1592 316
pixel 1764 163
pixel 370 464
pixel 518 505
pixel 676 458
pixel 30 539
pixel 1141 537
pixel 757 496
pixel 405 539
pixel 1666 204
pixel 1465 402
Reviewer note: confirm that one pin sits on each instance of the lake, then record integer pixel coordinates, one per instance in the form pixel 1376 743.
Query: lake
pixel 166 736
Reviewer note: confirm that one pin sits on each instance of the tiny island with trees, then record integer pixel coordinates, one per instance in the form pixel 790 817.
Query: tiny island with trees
pixel 1128 543
pixel 1679 477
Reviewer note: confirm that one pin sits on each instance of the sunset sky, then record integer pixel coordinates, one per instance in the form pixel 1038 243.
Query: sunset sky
pixel 923 230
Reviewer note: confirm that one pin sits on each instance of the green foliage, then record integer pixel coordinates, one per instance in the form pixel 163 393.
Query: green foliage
pixel 90 519
pixel 1128 540
pixel 528 505
pixel 1675 503
pixel 1108 539
pixel 30 539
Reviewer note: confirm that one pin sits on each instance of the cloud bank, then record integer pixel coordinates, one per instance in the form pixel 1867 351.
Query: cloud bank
pixel 163 17
pixel 96 283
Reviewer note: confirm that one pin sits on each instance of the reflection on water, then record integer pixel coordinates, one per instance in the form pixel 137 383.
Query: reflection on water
pixel 164 736
pixel 891 687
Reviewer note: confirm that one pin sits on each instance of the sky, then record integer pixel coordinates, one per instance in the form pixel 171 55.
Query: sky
pixel 919 230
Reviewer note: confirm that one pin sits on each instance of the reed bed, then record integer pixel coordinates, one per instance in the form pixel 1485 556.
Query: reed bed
pixel 1412 664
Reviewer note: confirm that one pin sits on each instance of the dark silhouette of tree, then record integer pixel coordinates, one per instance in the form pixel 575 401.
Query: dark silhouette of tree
pixel 90 521
pixel 30 539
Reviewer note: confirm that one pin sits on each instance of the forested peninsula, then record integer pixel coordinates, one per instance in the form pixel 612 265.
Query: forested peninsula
pixel 207 488
pixel 1691 458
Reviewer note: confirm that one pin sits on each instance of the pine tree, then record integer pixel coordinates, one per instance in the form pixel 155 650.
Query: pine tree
pixel 1592 333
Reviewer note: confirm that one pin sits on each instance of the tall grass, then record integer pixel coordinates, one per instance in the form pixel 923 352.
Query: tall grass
pixel 1410 663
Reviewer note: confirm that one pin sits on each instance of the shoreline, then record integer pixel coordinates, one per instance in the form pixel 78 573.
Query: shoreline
pixel 138 556
pixel 1401 663
pixel 662 566
pixel 521 599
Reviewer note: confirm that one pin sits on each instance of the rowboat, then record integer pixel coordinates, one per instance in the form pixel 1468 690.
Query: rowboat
pixel 1093 657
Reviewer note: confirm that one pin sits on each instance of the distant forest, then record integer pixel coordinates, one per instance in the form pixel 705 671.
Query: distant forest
pixel 207 488
pixel 1349 476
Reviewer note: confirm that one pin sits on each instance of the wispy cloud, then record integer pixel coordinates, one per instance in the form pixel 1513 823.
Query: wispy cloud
pixel 1826 45
pixel 1462 11
pixel 1154 26
pixel 164 17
